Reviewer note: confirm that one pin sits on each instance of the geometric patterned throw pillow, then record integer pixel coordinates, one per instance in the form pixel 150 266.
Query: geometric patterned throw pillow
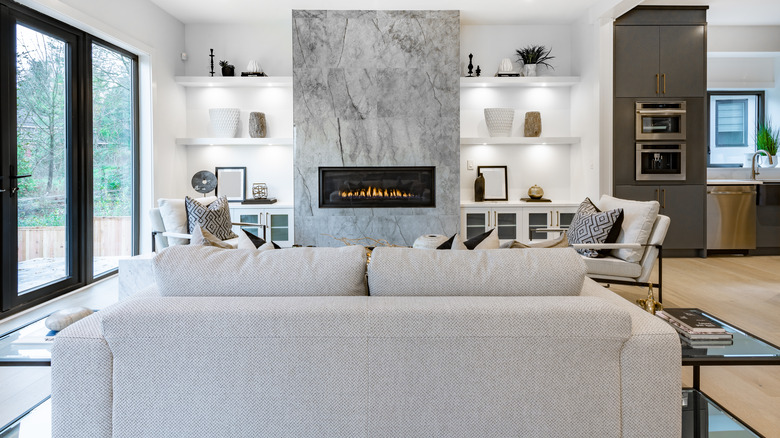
pixel 214 218
pixel 590 225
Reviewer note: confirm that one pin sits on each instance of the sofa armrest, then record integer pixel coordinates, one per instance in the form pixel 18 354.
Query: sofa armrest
pixel 81 388
pixel 651 367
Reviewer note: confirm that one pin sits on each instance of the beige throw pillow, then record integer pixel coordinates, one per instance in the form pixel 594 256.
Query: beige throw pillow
pixel 205 238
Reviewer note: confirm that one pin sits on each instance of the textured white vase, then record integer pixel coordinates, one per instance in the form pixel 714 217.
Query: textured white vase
pixel 506 66
pixel 499 121
pixel 224 122
pixel 529 70
pixel 763 161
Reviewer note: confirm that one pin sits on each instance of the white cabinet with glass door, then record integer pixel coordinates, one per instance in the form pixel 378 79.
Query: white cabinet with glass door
pixel 277 221
pixel 538 219
pixel 477 220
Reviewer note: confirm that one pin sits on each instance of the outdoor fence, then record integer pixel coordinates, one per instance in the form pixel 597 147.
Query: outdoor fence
pixel 112 237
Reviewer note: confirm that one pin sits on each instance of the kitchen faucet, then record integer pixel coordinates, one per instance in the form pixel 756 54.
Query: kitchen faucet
pixel 753 168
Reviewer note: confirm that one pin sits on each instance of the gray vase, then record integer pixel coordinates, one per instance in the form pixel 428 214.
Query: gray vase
pixel 257 125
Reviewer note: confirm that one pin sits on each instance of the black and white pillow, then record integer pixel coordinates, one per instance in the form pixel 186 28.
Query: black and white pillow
pixel 214 218
pixel 247 240
pixel 591 225
pixel 486 240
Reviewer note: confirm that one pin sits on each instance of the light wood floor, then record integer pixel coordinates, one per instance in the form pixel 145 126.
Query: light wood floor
pixel 744 291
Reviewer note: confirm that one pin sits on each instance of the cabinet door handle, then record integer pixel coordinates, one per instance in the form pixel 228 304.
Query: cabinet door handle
pixel 557 218
pixel 495 219
pixel 664 75
pixel 551 218
pixel 657 83
pixel 663 204
pixel 488 215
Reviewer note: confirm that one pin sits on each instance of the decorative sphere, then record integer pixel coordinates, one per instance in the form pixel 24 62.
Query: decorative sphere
pixel 535 192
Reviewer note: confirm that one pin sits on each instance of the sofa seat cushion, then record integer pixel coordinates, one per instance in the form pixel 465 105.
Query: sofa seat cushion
pixel 531 272
pixel 638 219
pixel 612 266
pixel 187 270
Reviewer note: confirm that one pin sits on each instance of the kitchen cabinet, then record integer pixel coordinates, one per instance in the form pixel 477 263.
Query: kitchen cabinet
pixel 685 206
pixel 278 222
pixel 518 221
pixel 768 215
pixel 661 52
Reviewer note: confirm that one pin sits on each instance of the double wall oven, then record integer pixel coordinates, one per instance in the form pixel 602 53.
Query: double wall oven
pixel 660 140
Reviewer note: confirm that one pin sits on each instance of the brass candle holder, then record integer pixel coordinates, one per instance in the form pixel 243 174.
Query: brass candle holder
pixel 649 304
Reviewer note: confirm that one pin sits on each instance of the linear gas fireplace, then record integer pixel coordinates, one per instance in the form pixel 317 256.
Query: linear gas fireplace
pixel 377 187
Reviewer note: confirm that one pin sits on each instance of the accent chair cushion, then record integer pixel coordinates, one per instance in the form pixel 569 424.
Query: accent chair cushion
pixel 188 270
pixel 214 217
pixel 174 216
pixel 533 272
pixel 612 267
pixel 638 219
pixel 204 238
pixel 591 225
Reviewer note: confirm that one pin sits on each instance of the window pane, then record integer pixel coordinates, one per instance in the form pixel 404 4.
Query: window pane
pixel 113 138
pixel 733 120
pixel 41 132
pixel 731 123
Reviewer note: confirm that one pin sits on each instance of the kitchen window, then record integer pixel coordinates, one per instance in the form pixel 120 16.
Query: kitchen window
pixel 733 119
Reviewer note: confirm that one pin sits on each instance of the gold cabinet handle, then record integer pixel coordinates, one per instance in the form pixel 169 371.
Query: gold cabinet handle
pixel 664 75
pixel 657 83
pixel 551 217
pixel 495 219
pixel 488 215
pixel 663 204
pixel 557 218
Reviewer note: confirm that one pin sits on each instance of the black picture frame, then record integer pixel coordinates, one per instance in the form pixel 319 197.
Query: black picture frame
pixel 496 187
pixel 231 183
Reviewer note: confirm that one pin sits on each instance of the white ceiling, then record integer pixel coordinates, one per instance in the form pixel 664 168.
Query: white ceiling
pixel 721 12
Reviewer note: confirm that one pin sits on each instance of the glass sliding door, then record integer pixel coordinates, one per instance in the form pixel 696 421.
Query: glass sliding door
pixel 40 170
pixel 113 140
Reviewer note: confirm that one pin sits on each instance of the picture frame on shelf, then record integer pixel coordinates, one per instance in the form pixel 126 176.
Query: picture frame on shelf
pixel 231 183
pixel 495 182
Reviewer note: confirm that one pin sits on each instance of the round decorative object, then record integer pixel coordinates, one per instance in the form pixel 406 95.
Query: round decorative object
pixel 259 191
pixel 224 121
pixel 257 125
pixel 204 181
pixel 429 241
pixel 535 192
pixel 506 66
pixel 499 121
pixel 65 317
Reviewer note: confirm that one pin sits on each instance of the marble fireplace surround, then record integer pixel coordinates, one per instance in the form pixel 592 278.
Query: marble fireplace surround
pixel 375 88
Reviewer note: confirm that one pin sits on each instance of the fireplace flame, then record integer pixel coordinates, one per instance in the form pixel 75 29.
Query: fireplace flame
pixel 375 193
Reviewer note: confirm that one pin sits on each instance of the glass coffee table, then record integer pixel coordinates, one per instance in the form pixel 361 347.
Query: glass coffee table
pixel 702 416
pixel 26 346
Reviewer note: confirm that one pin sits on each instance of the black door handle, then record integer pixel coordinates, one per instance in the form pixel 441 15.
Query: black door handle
pixel 20 176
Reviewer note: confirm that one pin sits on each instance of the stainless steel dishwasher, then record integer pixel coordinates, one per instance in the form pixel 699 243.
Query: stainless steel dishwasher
pixel 731 217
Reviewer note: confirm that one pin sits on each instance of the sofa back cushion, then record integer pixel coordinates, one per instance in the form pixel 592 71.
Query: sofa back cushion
pixel 187 270
pixel 530 272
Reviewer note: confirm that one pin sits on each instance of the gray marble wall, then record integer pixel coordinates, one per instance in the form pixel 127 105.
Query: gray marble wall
pixel 376 88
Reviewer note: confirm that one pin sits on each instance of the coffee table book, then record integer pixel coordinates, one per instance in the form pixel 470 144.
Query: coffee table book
pixel 691 321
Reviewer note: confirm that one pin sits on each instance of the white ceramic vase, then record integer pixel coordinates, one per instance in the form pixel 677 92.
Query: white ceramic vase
pixel 499 121
pixel 429 241
pixel 763 161
pixel 529 70
pixel 224 122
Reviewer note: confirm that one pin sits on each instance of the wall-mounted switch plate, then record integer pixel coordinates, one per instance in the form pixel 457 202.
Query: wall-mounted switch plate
pixel 469 164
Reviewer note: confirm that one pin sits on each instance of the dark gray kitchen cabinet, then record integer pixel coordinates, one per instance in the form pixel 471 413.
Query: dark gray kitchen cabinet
pixel 685 206
pixel 768 216
pixel 660 61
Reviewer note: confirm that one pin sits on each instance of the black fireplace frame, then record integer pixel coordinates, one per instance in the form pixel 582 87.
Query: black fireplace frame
pixel 389 203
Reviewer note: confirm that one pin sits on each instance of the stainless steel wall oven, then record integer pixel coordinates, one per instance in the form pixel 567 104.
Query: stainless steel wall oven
pixel 660 161
pixel 660 120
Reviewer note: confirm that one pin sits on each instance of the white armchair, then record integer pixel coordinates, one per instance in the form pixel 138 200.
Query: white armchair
pixel 638 247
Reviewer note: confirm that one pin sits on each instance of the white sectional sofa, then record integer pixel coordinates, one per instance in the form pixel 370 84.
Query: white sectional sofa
pixel 307 342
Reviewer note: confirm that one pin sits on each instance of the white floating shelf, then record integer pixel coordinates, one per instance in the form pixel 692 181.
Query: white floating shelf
pixel 519 140
pixel 234 81
pixel 234 141
pixel 533 81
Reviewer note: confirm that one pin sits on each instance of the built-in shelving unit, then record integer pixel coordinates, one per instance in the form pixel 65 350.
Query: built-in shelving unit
pixel 234 81
pixel 518 140
pixel 234 141
pixel 532 81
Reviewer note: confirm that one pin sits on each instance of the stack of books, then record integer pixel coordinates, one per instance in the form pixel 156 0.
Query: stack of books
pixel 695 329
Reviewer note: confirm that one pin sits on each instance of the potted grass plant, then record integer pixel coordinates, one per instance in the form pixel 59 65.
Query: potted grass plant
pixel 767 138
pixel 531 56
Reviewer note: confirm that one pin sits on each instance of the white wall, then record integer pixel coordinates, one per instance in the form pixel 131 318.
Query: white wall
pixel 267 43
pixel 142 28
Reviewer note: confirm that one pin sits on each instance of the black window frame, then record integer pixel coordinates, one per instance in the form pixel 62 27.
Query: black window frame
pixel 79 154
pixel 760 94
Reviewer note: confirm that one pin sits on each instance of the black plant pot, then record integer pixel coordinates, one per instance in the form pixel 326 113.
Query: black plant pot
pixel 229 71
